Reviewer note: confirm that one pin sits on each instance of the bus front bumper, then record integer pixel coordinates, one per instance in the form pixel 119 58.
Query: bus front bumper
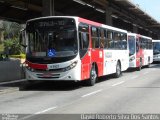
pixel 71 75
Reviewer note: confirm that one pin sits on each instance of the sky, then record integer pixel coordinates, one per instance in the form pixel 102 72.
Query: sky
pixel 151 7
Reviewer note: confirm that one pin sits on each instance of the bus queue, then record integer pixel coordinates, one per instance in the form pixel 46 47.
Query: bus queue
pixel 66 48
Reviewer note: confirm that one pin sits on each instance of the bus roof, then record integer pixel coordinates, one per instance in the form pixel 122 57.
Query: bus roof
pixel 82 20
pixel 135 34
pixel 74 17
pixel 114 28
pixel 146 37
pixel 155 40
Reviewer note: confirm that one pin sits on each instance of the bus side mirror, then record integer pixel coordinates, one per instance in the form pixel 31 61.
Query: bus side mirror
pixel 22 38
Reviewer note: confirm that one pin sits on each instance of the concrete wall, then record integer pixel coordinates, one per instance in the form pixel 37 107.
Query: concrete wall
pixel 10 70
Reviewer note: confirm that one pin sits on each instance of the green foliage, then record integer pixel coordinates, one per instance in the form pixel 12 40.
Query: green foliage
pixel 11 29
pixel 11 37
pixel 1 48
pixel 12 46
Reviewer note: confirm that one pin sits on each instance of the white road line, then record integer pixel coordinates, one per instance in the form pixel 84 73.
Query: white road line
pixel 48 109
pixel 15 81
pixel 26 117
pixel 92 93
pixel 118 83
pixel 37 113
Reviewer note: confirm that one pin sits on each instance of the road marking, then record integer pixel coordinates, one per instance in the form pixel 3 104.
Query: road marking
pixel 92 93
pixel 37 113
pixel 15 81
pixel 26 117
pixel 48 109
pixel 118 83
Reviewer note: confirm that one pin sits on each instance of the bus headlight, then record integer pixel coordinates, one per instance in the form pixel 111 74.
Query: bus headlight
pixel 29 68
pixel 132 58
pixel 70 66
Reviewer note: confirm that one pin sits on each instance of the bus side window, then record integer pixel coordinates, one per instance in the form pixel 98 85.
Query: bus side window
pixel 102 38
pixel 150 44
pixel 124 41
pixel 83 38
pixel 137 46
pixel 117 40
pixel 110 42
pixel 95 37
pixel 145 43
pixel 141 42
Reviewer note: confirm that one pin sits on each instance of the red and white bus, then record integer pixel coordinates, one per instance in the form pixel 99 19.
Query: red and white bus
pixel 74 49
pixel 140 50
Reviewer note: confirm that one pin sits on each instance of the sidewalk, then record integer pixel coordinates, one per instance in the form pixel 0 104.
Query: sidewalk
pixel 11 82
pixel 11 86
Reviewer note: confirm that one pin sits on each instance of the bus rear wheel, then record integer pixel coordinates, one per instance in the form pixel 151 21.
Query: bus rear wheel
pixel 118 70
pixel 149 63
pixel 93 76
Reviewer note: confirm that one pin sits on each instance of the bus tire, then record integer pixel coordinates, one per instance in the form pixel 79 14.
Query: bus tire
pixel 93 76
pixel 140 66
pixel 149 64
pixel 118 70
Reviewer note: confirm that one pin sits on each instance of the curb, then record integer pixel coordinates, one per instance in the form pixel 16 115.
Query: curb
pixel 6 87
pixel 10 82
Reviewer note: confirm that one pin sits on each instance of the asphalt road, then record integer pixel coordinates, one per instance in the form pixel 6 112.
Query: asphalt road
pixel 133 93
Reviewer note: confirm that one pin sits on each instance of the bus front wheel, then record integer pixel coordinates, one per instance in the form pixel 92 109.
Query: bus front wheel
pixel 140 66
pixel 93 76
pixel 118 70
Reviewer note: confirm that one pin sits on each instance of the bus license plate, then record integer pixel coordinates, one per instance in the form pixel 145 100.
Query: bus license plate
pixel 53 66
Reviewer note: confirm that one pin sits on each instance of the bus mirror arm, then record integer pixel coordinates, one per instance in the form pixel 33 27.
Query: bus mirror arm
pixel 22 38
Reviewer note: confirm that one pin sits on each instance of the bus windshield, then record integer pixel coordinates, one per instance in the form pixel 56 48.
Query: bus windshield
pixel 52 37
pixel 132 47
pixel 156 48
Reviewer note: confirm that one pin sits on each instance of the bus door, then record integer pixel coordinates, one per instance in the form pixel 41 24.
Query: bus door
pixel 97 48
pixel 138 52
pixel 85 51
pixel 110 59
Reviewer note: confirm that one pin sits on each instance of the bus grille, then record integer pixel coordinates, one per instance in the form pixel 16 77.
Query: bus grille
pixel 53 70
pixel 48 75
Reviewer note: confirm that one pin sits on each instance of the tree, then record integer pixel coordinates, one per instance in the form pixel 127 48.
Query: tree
pixel 11 37
pixel 12 46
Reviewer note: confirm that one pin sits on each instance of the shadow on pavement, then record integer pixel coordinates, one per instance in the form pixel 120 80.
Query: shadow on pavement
pixel 155 65
pixel 59 85
pixel 52 85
